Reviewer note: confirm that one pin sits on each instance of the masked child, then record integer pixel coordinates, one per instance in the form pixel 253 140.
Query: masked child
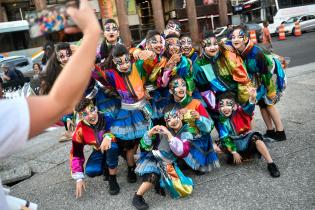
pixel 236 137
pixel 93 130
pixel 202 156
pixel 157 162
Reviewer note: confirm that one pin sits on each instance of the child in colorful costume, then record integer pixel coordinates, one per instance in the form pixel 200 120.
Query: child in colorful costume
pixel 217 71
pixel 134 117
pixel 177 65
pixel 157 164
pixel 187 48
pixel 262 67
pixel 201 157
pixel 93 129
pixel 111 38
pixel 236 137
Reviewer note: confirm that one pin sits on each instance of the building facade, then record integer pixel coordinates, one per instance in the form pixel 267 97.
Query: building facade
pixel 139 17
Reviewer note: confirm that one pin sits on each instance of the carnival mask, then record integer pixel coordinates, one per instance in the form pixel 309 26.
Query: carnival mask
pixel 173 119
pixel 111 32
pixel 226 107
pixel 122 63
pixel 89 115
pixel 178 88
pixel 186 45
pixel 239 39
pixel 173 45
pixel 155 44
pixel 173 28
pixel 210 46
pixel 63 55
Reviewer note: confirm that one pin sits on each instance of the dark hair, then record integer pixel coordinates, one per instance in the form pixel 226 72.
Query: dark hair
pixel 171 36
pixel 110 20
pixel 39 66
pixel 83 104
pixel 208 34
pixel 184 35
pixel 48 48
pixel 175 21
pixel 241 27
pixel 226 95
pixel 53 68
pixel 119 50
pixel 265 23
pixel 173 79
pixel 151 34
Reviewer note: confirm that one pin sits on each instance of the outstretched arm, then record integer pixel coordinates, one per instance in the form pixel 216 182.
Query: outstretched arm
pixel 72 81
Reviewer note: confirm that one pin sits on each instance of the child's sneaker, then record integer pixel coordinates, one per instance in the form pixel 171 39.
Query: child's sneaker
pixel 273 170
pixel 131 176
pixel 139 202
pixel 280 136
pixel 113 185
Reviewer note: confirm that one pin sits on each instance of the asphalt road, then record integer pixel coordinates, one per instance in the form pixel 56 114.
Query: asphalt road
pixel 301 49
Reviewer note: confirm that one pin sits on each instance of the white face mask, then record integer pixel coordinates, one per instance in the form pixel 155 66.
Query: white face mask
pixel 122 63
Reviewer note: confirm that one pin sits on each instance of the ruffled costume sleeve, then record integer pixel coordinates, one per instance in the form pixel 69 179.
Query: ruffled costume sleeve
pixel 180 146
pixel 77 155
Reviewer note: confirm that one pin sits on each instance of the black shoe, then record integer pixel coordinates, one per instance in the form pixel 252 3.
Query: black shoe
pixel 159 190
pixel 280 136
pixel 114 188
pixel 230 159
pixel 199 173
pixel 139 202
pixel 270 134
pixel 273 170
pixel 131 176
pixel 106 174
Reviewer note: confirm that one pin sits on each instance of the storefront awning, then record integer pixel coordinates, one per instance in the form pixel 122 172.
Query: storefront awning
pixel 12 26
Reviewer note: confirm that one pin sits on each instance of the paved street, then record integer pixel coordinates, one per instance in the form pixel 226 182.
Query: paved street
pixel 231 187
pixel 300 49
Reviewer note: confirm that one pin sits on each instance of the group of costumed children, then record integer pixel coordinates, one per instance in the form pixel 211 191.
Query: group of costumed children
pixel 163 98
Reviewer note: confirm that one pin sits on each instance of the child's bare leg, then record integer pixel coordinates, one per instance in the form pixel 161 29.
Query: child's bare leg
pixel 262 149
pixel 112 171
pixel 275 116
pixel 267 118
pixel 144 187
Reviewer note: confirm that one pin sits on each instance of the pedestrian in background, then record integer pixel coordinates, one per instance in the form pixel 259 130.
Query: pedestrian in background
pixel 266 36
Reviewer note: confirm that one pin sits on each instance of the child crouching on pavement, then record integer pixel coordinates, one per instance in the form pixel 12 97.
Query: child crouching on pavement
pixel 202 155
pixel 92 130
pixel 236 137
pixel 160 147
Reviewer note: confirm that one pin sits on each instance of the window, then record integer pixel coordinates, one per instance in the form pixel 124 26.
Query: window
pixel 21 63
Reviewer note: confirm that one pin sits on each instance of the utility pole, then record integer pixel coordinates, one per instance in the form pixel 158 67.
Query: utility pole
pixel 223 12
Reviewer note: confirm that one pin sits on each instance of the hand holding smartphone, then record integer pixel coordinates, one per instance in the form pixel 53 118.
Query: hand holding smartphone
pixel 51 19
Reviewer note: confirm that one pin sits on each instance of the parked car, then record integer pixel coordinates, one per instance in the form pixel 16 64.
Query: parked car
pixel 307 23
pixel 22 63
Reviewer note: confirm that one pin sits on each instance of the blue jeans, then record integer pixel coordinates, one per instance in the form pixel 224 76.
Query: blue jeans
pixel 98 161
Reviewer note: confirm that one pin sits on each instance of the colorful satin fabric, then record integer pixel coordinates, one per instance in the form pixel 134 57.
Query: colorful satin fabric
pixel 237 125
pixel 260 67
pixel 223 72
pixel 87 135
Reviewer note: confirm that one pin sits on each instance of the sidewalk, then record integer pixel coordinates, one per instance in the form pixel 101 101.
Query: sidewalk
pixel 231 187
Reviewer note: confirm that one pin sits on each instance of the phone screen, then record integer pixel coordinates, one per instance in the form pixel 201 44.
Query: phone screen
pixel 50 20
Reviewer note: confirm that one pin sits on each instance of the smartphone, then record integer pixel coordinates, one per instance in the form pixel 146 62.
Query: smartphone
pixel 50 20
